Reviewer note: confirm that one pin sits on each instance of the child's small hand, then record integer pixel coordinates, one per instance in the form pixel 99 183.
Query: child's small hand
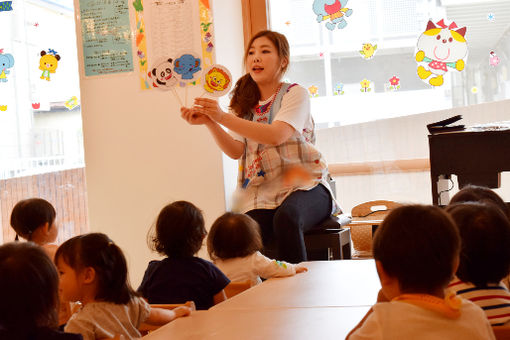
pixel 182 311
pixel 301 269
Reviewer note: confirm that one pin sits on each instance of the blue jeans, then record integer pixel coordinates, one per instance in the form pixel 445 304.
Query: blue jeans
pixel 282 228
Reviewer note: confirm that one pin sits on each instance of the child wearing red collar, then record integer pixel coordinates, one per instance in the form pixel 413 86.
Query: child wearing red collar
pixel 416 251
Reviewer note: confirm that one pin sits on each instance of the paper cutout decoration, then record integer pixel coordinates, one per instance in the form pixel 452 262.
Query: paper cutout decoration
pixel 6 62
pixel 217 80
pixel 187 67
pixel 48 63
pixel 365 85
pixel 71 103
pixel 440 48
pixel 393 85
pixel 314 91
pixel 3 107
pixel 368 51
pixel 162 77
pixel 474 90
pixel 338 89
pixel 161 74
pixel 36 106
pixel 332 10
pixel 5 6
pixel 491 17
pixel 493 59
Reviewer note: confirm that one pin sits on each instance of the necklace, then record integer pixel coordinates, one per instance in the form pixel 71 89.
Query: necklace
pixel 262 109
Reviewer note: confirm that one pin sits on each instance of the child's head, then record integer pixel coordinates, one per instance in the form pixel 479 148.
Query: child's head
pixel 28 287
pixel 485 242
pixel 474 193
pixel 179 230
pixel 93 260
pixel 233 235
pixel 34 220
pixel 417 245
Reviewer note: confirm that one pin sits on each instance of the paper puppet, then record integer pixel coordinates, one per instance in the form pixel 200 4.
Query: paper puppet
pixel 48 63
pixel 440 48
pixel 332 10
pixel 187 66
pixel 493 59
pixel 368 51
pixel 217 80
pixel 162 76
pixel 6 62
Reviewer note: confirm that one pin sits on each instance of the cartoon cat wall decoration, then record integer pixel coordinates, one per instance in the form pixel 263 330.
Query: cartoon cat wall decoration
pixel 440 48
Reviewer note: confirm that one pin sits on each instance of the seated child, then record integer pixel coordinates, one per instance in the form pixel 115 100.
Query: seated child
pixel 29 294
pixel 416 252
pixel 93 270
pixel 34 220
pixel 474 193
pixel 484 258
pixel 181 276
pixel 234 245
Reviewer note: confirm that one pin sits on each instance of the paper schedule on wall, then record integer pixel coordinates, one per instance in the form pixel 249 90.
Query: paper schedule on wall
pixel 170 28
pixel 106 37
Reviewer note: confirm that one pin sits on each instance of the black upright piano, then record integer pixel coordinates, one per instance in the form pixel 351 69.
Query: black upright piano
pixel 476 156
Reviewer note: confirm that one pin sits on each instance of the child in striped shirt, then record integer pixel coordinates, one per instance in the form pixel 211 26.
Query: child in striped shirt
pixel 484 258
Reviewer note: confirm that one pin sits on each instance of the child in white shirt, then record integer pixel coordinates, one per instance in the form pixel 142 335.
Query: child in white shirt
pixel 234 245
pixel 416 251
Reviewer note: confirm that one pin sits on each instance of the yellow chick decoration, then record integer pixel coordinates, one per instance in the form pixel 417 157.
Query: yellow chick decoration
pixel 368 51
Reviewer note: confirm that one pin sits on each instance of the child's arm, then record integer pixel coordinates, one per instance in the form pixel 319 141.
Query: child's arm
pixel 220 297
pixel 160 316
pixel 266 268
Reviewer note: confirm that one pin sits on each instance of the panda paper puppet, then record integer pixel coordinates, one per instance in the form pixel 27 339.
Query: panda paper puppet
pixel 161 75
pixel 187 67
pixel 441 49
pixel 217 80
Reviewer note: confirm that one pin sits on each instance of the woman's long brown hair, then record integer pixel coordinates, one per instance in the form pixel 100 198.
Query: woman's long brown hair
pixel 246 93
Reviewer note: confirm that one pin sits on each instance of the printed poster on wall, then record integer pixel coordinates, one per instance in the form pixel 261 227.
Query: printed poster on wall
pixel 165 29
pixel 106 37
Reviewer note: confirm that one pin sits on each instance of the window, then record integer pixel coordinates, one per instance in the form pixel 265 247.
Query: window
pixel 41 140
pixel 330 63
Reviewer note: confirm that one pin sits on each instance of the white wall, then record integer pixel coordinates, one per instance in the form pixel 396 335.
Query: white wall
pixel 140 155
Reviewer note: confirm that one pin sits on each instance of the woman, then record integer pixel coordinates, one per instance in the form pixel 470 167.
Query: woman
pixel 282 177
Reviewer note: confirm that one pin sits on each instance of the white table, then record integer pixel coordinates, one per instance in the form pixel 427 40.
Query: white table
pixel 324 303
pixel 269 324
pixel 341 283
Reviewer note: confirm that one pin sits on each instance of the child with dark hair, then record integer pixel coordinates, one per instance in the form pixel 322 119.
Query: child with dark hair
pixel 484 258
pixel 29 294
pixel 234 245
pixel 416 251
pixel 181 276
pixel 474 193
pixel 34 220
pixel 93 270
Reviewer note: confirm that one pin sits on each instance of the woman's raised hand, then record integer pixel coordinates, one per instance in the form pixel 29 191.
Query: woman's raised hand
pixel 208 107
pixel 192 117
